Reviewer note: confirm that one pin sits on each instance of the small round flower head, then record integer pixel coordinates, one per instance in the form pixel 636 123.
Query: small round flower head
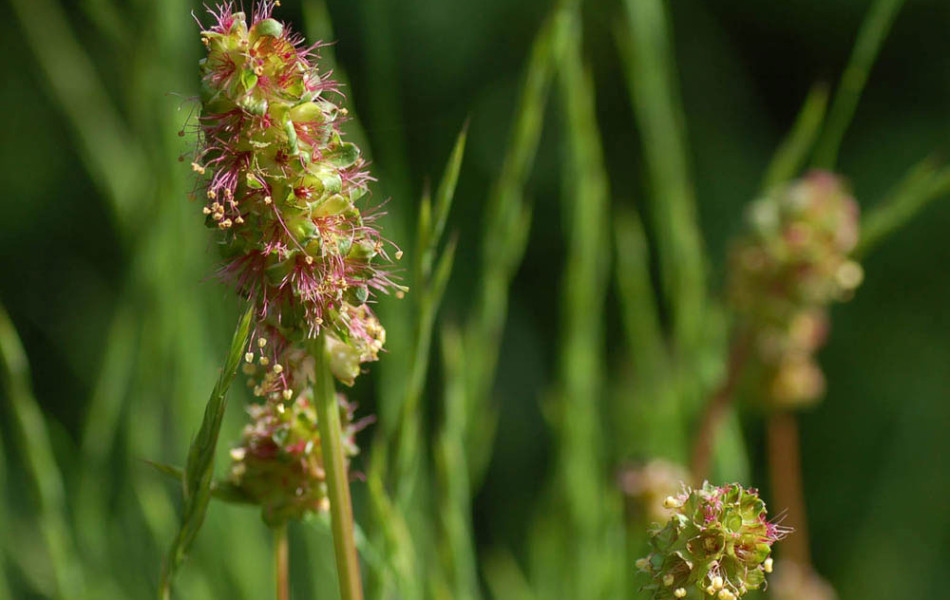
pixel 649 485
pixel 785 271
pixel 279 463
pixel 716 543
pixel 282 187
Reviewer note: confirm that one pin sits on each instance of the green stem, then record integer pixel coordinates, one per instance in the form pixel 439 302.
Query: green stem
pixel 282 562
pixel 338 486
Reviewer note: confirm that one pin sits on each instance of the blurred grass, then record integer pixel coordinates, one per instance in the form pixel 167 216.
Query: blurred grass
pixel 618 386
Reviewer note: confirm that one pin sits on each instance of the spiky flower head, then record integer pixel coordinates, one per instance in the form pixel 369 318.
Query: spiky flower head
pixel 279 464
pixel 716 543
pixel 792 263
pixel 282 187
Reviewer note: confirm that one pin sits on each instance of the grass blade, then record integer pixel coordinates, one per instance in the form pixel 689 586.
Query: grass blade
pixel 196 483
pixel 43 471
pixel 581 470
pixel 651 77
pixel 508 213
pixel 923 184
pixel 877 23
pixel 110 151
pixel 792 154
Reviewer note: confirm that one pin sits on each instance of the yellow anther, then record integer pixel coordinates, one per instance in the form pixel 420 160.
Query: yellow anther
pixel 278 368
pixel 680 592
pixel 726 595
pixel 206 210
pixel 212 195
pixel 264 361
pixel 398 254
pixel 717 582
pixel 239 220
pixel 258 70
pixel 249 357
pixel 671 502
pixel 642 564
pixel 288 394
pixel 198 168
pixel 267 200
pixel 308 260
pixel 225 224
pixel 217 216
pixel 281 408
pixel 238 453
pixel 767 565
pixel 711 591
pixel 668 580
pixel 261 342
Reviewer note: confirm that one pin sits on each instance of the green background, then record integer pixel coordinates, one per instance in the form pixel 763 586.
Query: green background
pixel 876 452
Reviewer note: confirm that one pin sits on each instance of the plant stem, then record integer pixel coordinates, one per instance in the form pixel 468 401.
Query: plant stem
pixel 785 470
pixel 282 562
pixel 338 486
pixel 716 408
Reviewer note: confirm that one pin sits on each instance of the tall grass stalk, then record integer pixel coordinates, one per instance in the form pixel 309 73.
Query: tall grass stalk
pixel 800 141
pixel 199 470
pixel 581 472
pixel 651 77
pixel 877 23
pixel 924 183
pixel 33 439
pixel 464 439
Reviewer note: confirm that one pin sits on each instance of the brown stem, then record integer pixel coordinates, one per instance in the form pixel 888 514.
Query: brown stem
pixel 716 408
pixel 282 562
pixel 785 470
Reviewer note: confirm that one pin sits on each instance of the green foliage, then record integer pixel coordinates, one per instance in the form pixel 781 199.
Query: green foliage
pixel 196 480
pixel 463 431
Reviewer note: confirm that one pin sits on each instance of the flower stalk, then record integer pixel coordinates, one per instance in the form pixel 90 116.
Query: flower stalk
pixel 338 487
pixel 282 562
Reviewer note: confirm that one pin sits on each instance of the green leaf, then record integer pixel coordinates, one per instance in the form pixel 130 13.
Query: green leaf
pixel 871 37
pixel 196 482
pixel 43 471
pixel 793 152
pixel 923 184
pixel 651 77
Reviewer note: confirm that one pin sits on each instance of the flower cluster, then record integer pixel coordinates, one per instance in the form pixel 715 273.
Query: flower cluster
pixel 281 187
pixel 716 543
pixel 279 464
pixel 793 262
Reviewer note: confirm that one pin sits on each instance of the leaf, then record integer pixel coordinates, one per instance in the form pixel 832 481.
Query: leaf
pixel 199 470
pixel 651 77
pixel 922 184
pixel 44 473
pixel 877 23
pixel 791 155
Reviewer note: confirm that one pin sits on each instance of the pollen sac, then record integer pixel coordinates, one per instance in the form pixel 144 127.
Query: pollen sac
pixel 784 272
pixel 716 542
pixel 284 189
pixel 279 464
